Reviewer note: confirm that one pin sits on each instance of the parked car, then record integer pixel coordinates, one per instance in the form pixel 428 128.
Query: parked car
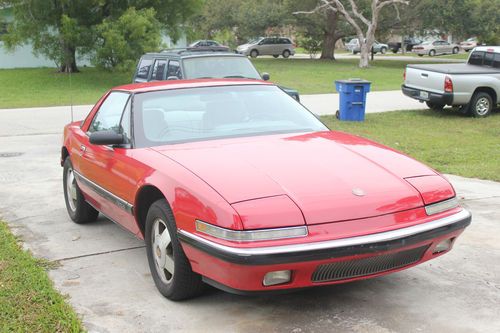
pixel 274 46
pixel 436 47
pixel 206 43
pixel 409 43
pixel 354 47
pixel 195 63
pixel 469 44
pixel 474 86
pixel 225 192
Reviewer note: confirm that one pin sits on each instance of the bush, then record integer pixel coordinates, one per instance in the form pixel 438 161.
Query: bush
pixel 121 42
pixel 311 45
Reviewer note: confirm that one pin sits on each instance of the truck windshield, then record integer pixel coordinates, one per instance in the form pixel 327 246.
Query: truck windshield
pixel 220 67
pixel 207 113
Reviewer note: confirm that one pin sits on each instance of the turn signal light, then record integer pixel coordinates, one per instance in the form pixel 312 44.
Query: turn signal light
pixel 277 277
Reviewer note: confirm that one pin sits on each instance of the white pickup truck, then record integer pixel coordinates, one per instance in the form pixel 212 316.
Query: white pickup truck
pixel 474 86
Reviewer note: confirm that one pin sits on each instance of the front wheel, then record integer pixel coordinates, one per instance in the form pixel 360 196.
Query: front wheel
pixel 254 53
pixel 78 209
pixel 170 268
pixel 481 105
pixel 455 50
pixel 286 54
pixel 383 50
pixel 420 55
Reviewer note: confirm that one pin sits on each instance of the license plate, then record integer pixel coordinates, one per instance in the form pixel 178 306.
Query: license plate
pixel 424 95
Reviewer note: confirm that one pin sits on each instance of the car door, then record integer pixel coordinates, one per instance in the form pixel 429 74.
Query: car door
pixel 447 48
pixel 159 70
pixel 266 46
pixel 105 171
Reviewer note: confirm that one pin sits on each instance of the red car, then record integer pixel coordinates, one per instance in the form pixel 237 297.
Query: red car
pixel 235 184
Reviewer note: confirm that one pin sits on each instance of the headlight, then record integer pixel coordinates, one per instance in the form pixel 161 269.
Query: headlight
pixel 250 235
pixel 441 206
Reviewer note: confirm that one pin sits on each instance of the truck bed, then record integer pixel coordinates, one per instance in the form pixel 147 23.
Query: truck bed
pixel 456 68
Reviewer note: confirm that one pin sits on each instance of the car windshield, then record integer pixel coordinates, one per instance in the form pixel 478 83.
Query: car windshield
pixel 198 114
pixel 219 67
pixel 428 42
pixel 255 41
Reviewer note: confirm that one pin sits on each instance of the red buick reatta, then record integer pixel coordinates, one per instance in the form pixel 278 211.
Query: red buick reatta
pixel 235 184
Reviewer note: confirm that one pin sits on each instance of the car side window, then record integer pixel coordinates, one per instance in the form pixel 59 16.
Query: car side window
pixel 109 115
pixel 496 60
pixel 476 58
pixel 159 69
pixel 143 68
pixel 488 59
pixel 174 69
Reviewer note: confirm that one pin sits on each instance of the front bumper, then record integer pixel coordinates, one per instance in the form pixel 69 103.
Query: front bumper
pixel 242 269
pixel 432 97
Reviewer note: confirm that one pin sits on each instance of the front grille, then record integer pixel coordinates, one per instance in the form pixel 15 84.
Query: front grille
pixel 343 270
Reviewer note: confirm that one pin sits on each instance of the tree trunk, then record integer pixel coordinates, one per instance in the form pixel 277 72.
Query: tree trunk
pixel 364 60
pixel 328 51
pixel 69 62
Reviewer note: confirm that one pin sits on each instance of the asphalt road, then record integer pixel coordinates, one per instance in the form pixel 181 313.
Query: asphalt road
pixel 104 270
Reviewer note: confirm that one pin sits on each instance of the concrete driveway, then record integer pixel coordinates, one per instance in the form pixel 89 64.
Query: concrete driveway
pixel 104 269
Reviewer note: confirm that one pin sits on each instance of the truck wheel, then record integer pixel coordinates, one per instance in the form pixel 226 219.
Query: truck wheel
pixel 432 53
pixel 455 50
pixel 394 51
pixel 435 106
pixel 481 105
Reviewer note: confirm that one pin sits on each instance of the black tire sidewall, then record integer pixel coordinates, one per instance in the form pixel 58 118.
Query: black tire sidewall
pixel 83 211
pixel 474 100
pixel 286 54
pixel 254 53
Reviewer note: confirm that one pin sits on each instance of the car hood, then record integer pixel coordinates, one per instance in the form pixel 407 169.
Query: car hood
pixel 331 176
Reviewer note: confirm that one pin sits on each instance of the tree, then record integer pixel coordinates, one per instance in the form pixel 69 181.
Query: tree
pixel 121 42
pixel 58 28
pixel 321 25
pixel 358 20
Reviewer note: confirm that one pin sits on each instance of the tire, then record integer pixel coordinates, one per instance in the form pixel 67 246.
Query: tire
pixel 78 209
pixel 254 53
pixel 481 105
pixel 286 54
pixel 455 50
pixel 432 53
pixel 420 55
pixel 383 50
pixel 434 106
pixel 178 282
pixel 394 51
pixel 354 52
pixel 276 55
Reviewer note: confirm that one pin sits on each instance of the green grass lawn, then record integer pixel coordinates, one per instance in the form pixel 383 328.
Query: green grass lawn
pixel 33 87
pixel 311 76
pixel 447 141
pixel 30 87
pixel 28 301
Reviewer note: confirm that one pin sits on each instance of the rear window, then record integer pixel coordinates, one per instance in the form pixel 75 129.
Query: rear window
pixel 143 70
pixel 488 59
pixel 476 58
pixel 285 41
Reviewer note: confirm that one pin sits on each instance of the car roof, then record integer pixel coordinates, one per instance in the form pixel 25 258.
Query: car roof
pixel 185 53
pixel 495 49
pixel 182 84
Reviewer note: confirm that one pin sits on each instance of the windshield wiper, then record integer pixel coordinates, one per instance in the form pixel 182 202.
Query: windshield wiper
pixel 235 77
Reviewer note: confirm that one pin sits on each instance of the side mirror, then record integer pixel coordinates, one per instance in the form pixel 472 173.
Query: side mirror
pixel 266 76
pixel 106 138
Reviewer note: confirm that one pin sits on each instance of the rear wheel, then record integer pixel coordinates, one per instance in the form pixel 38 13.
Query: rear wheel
pixel 254 53
pixel 78 209
pixel 286 54
pixel 455 50
pixel 481 105
pixel 432 53
pixel 435 106
pixel 170 268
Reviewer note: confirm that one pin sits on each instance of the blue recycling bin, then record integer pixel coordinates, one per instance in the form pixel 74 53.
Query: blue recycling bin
pixel 352 102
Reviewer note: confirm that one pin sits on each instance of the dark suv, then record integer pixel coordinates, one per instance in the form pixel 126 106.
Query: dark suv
pixel 198 63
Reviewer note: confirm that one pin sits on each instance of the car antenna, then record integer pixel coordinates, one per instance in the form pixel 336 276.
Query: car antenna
pixel 71 95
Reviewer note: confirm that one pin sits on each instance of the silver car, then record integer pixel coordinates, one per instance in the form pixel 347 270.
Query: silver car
pixel 354 47
pixel 274 46
pixel 436 47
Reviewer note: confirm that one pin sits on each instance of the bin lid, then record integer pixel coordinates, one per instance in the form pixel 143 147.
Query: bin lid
pixel 353 81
